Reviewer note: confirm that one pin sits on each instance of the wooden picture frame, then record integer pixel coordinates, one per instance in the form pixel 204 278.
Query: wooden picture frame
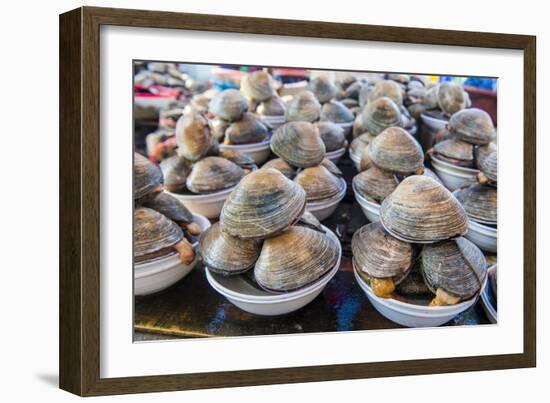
pixel 80 200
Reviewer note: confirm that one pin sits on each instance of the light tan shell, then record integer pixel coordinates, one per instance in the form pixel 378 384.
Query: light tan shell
pixel 480 202
pixel 387 88
pixel 258 86
pixel 274 106
pixel 422 210
pixel 228 105
pixel 360 143
pixel 332 135
pixel 455 149
pixel 211 174
pixel 322 88
pixel 218 127
pixel 375 183
pixel 365 162
pixel 282 166
pixel 319 183
pixel 248 129
pixel 299 144
pixel 303 107
pixel 380 114
pixel 193 136
pixel 395 150
pixel 332 167
pixel 294 259
pixel 450 98
pixel 473 126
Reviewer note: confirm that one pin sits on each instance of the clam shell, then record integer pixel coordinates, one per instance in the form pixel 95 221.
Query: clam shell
pixel 332 135
pixel 359 143
pixel 299 144
pixel 472 126
pixel 263 204
pixel 147 177
pixel 479 202
pixel 282 166
pixel 455 149
pixel 303 107
pixel 170 207
pixel 337 112
pixel 365 162
pixel 457 266
pixel 294 259
pixel 153 233
pixel 258 86
pixel 381 114
pixel 450 98
pixel 322 88
pixel 375 183
pixel 380 255
pixel 358 127
pixel 228 105
pixel 430 98
pixel 193 136
pixel 319 183
pixel 400 78
pixel 332 167
pixel 175 171
pixel 213 173
pixel 242 160
pixel 487 161
pixel 386 88
pixel 354 89
pixel 248 129
pixel 227 255
pixel 274 106
pixel 422 210
pixel 310 221
pixel 218 127
pixel 396 150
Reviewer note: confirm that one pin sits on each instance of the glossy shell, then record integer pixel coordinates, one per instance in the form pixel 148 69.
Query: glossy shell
pixel 228 105
pixel 227 255
pixel 424 211
pixel 480 202
pixel 147 177
pixel 258 86
pixel 153 233
pixel 175 171
pixel 450 98
pixel 299 144
pixel 322 88
pixel 282 166
pixel 248 129
pixel 263 204
pixel 193 136
pixel 332 135
pixel 386 88
pixel 319 183
pixel 303 107
pixel 396 150
pixel 170 207
pixel 457 266
pixel 375 183
pixel 381 114
pixel 213 173
pixel 473 126
pixel 294 259
pixel 337 112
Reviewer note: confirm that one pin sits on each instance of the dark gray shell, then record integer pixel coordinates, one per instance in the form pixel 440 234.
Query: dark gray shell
pixel 319 183
pixel 153 232
pixel 422 210
pixel 228 105
pixel 455 149
pixel 242 160
pixel 457 266
pixel 303 107
pixel 170 207
pixel 299 144
pixel 395 150
pixel 332 135
pixel 322 88
pixel 258 86
pixel 473 126
pixel 337 112
pixel 380 255
pixel 147 177
pixel 227 255
pixel 450 98
pixel 211 174
pixel 380 114
pixel 263 204
pixel 375 183
pixel 294 259
pixel 387 88
pixel 274 106
pixel 282 166
pixel 175 171
pixel 193 136
pixel 480 203
pixel 248 129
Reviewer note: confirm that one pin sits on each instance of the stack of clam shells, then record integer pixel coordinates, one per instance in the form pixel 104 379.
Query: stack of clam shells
pixel 351 91
pixel 454 158
pixel 420 238
pixel 259 89
pixel 264 228
pixel 301 153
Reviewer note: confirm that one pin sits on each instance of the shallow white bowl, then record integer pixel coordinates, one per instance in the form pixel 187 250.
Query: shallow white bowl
pixel 324 208
pixel 483 236
pixel 257 301
pixel 486 302
pixel 335 155
pixel 208 205
pixel 259 152
pixel 347 126
pixel 356 160
pixel 370 209
pixel 451 175
pixel 412 315
pixel 159 274
pixel 433 124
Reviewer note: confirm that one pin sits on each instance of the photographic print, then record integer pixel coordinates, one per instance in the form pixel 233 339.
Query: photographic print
pixel 273 200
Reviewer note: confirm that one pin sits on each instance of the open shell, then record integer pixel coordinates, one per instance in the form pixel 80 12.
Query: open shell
pixel 396 150
pixel 258 86
pixel 147 178
pixel 450 98
pixel 193 136
pixel 375 183
pixel 381 114
pixel 299 144
pixel 228 105
pixel 154 234
pixel 337 112
pixel 332 135
pixel 479 202
pixel 424 211
pixel 303 107
pixel 322 88
pixel 248 129
pixel 319 183
pixel 473 126
pixel 263 204
pixel 294 259
pixel 213 173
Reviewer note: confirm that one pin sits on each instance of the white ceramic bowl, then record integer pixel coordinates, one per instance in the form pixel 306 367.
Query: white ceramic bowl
pixel 208 205
pixel 347 126
pixel 335 155
pixel 240 292
pixel 451 175
pixel 159 274
pixel 274 121
pixel 486 303
pixel 370 209
pixel 433 124
pixel 483 236
pixel 412 315
pixel 259 152
pixel 356 160
pixel 324 208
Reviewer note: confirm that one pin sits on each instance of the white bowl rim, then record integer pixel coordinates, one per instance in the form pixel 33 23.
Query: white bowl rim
pixel 335 153
pixel 263 145
pixel 365 202
pixel 337 198
pixel 482 228
pixel 428 118
pixel 207 197
pixel 290 296
pixel 345 124
pixel 449 166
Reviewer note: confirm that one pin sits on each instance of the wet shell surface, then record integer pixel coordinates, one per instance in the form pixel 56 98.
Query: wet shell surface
pixel 153 234
pixel 299 144
pixel 380 255
pixel 294 259
pixel 263 204
pixel 396 150
pixel 258 86
pixel 170 207
pixel 455 149
pixel 322 88
pixel 175 171
pixel 227 255
pixel 480 203
pixel 332 135
pixel 213 173
pixel 248 129
pixel 303 107
pixel 375 183
pixel 386 88
pixel 282 166
pixel 193 136
pixel 337 112
pixel 424 211
pixel 228 105
pixel 450 98
pixel 457 266
pixel 319 183
pixel 473 126
pixel 147 177
pixel 381 114
pixel 274 106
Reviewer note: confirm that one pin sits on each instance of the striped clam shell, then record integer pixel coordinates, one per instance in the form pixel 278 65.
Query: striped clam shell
pixel 175 171
pixel 337 112
pixel 323 88
pixel 193 136
pixel 319 183
pixel 473 126
pixel 211 174
pixel 332 135
pixel 258 86
pixel 274 106
pixel 397 151
pixel 455 149
pixel 359 143
pixel 299 144
pixel 282 166
pixel 147 177
pixel 450 97
pixel 153 232
pixel 479 202
pixel 381 114
pixel 303 107
pixel 228 105
pixel 487 161
pixel 248 129
pixel 375 183
pixel 387 88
